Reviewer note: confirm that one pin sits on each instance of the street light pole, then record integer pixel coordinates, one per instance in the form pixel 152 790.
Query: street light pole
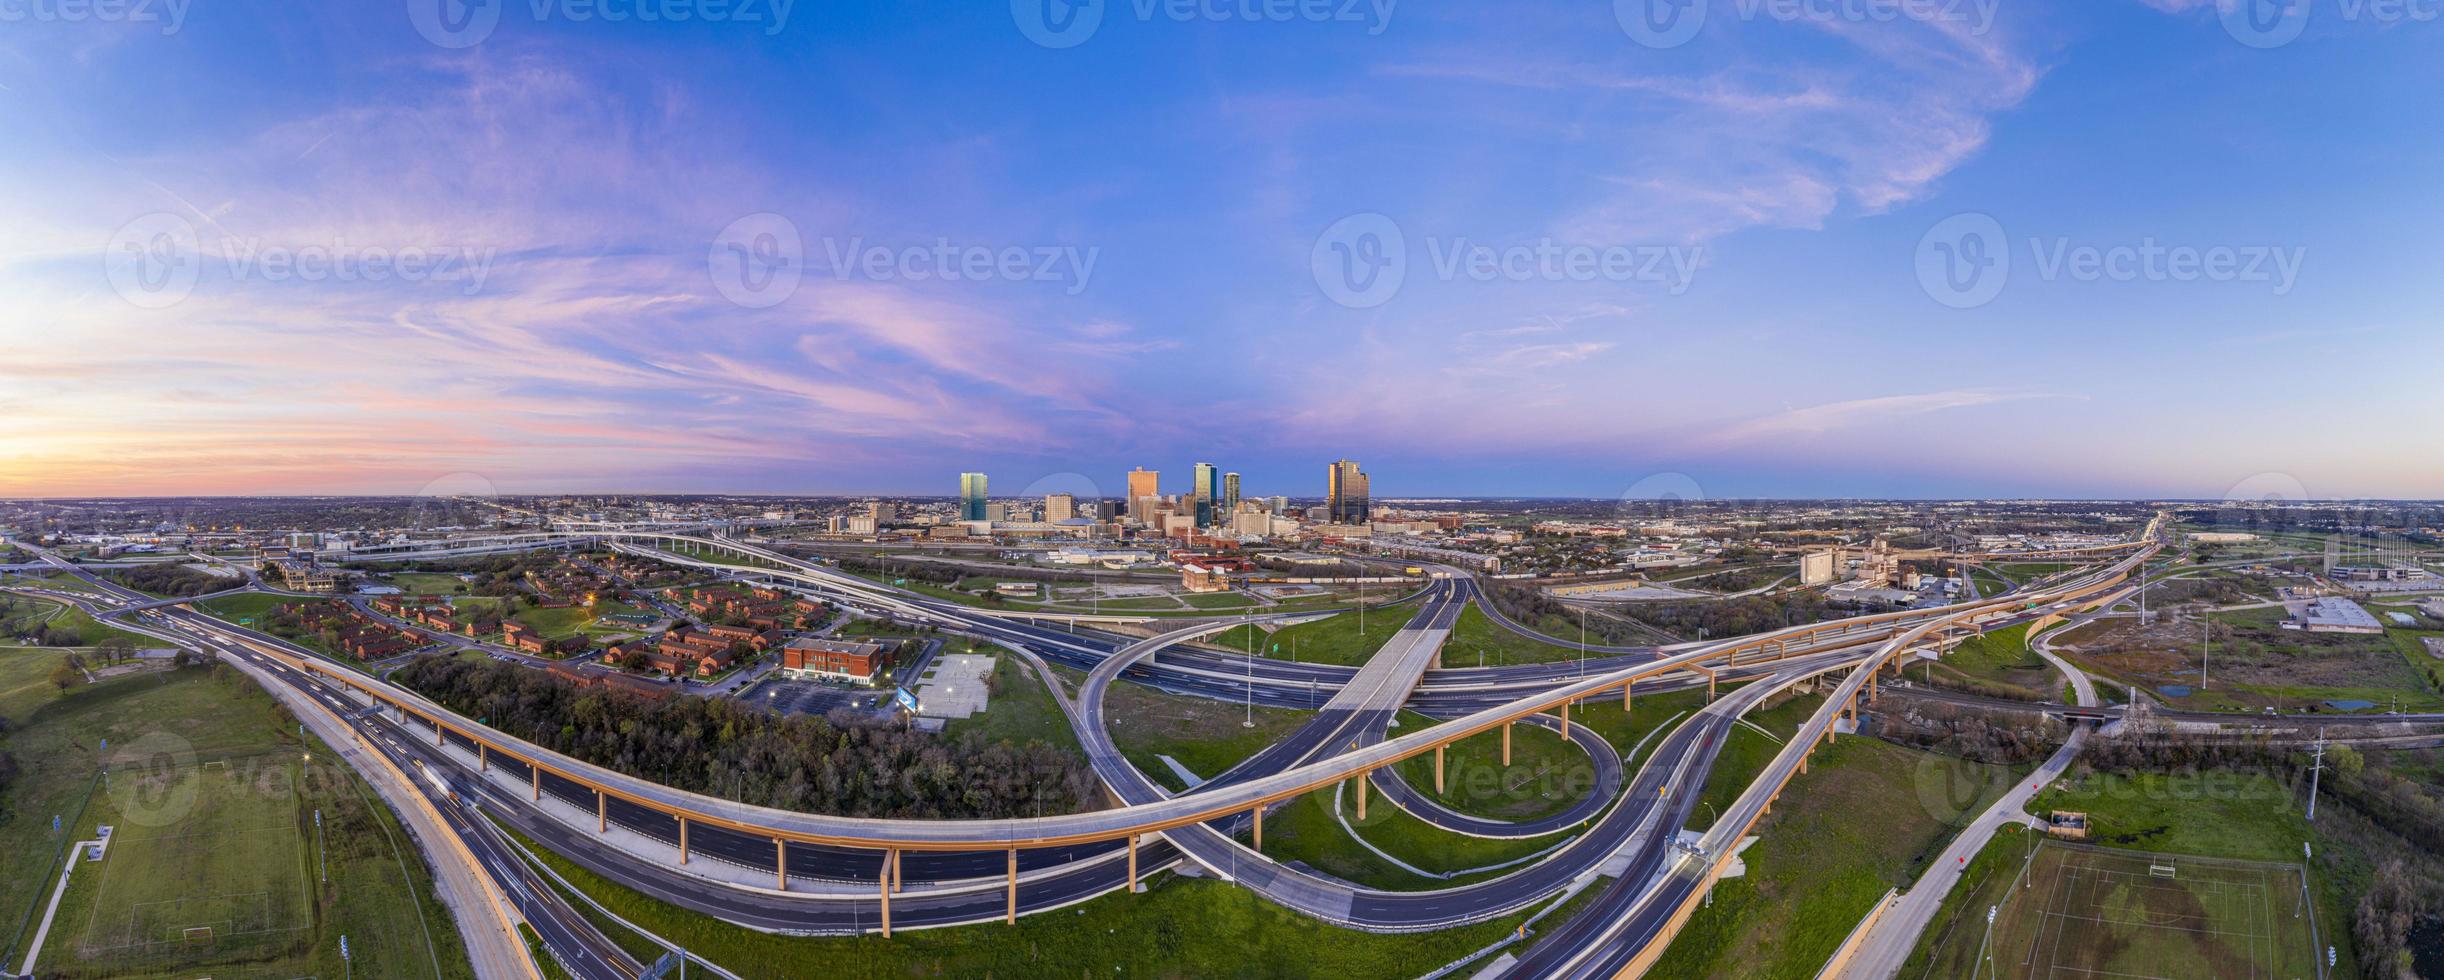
pixel 1249 623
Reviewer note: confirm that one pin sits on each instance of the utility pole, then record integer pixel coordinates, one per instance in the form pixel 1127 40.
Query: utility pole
pixel 2315 770
pixel 2206 646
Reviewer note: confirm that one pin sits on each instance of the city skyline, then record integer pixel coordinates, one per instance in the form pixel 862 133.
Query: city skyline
pixel 1625 258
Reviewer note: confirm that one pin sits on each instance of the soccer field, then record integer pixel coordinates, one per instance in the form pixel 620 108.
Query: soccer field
pixel 204 863
pixel 2091 912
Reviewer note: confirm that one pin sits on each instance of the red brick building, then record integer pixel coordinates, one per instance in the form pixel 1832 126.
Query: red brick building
pixel 861 661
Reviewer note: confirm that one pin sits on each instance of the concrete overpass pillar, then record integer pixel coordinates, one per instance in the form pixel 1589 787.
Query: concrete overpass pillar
pixel 536 772
pixel 780 864
pixel 436 733
pixel 1259 831
pixel 483 757
pixel 1565 720
pixel 602 813
pixel 1506 743
pixel 1012 917
pixel 882 878
pixel 682 840
pixel 1438 770
pixel 1362 780
pixel 1625 686
pixel 895 869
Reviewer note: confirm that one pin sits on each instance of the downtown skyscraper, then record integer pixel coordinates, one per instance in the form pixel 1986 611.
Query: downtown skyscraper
pixel 1345 496
pixel 1206 487
pixel 971 497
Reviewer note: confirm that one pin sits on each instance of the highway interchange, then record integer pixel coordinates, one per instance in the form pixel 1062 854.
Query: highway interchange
pixel 846 876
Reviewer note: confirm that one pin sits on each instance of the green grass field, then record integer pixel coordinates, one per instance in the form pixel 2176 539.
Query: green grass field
pixel 2068 910
pixel 1336 640
pixel 1021 710
pixel 1858 823
pixel 212 795
pixel 1305 830
pixel 572 620
pixel 35 612
pixel 1204 735
pixel 1747 751
pixel 235 608
pixel 427 583
pixel 214 849
pixel 1476 639
pixel 1546 775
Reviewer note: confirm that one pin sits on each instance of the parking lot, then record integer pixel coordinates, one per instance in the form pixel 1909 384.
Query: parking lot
pixel 813 697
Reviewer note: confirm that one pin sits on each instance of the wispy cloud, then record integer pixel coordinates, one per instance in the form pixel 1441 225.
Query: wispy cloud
pixel 1856 413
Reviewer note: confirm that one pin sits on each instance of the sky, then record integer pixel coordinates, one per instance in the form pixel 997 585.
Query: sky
pixel 1720 248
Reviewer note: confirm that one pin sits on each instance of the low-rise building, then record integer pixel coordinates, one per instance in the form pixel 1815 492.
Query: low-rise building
pixel 862 661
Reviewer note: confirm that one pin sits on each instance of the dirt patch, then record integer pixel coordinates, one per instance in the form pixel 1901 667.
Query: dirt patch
pixel 2249 649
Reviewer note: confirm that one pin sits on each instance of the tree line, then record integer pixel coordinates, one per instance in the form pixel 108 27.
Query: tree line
pixel 842 764
pixel 173 579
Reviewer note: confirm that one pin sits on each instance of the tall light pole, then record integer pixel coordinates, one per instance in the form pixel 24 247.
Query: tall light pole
pixel 2314 770
pixel 2206 645
pixel 1248 622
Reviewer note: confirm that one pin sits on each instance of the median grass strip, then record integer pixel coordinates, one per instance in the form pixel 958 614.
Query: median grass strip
pixel 1338 639
pixel 1179 927
pixel 1860 822
pixel 1546 774
pixel 1476 639
pixel 1206 736
pixel 1306 832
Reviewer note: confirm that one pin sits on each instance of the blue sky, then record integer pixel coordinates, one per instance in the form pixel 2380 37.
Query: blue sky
pixel 1713 261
